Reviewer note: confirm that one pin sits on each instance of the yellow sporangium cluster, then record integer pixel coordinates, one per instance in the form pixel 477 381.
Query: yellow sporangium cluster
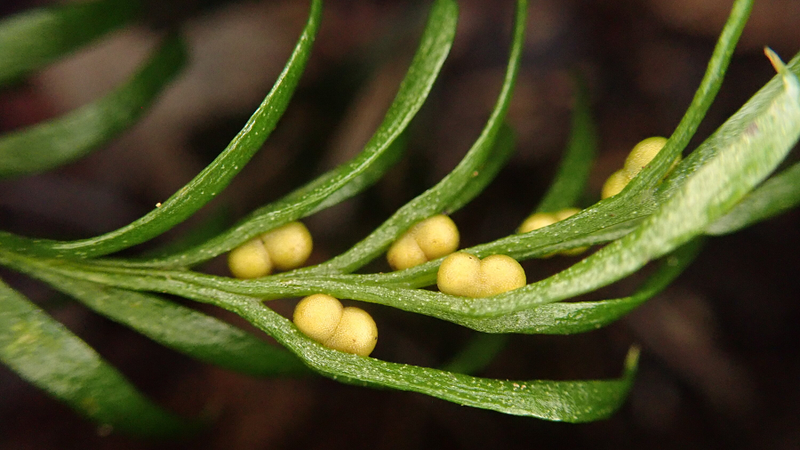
pixel 543 219
pixel 637 159
pixel 283 248
pixel 429 239
pixel 324 319
pixel 466 275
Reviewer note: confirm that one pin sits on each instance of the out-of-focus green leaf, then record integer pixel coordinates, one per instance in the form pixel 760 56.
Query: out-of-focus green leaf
pixel 479 351
pixel 34 38
pixel 46 354
pixel 572 175
pixel 73 135
pixel 206 185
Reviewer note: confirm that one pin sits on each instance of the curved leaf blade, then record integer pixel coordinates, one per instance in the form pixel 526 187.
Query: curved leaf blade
pixel 72 136
pixel 568 401
pixel 778 194
pixel 206 185
pixel 572 401
pixel 455 189
pixel 45 353
pixel 581 317
pixel 378 154
pixel 32 39
pixel 738 156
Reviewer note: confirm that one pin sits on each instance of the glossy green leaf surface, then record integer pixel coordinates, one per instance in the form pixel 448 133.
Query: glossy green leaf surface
pixel 207 184
pixel 32 39
pixel 67 138
pixel 46 354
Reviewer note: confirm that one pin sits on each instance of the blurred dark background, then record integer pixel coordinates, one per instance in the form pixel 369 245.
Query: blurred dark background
pixel 719 367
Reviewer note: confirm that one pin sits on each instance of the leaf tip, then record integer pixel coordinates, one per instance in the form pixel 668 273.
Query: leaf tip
pixel 632 359
pixel 776 61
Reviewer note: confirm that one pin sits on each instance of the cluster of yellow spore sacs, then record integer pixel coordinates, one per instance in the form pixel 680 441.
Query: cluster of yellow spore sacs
pixel 319 316
pixel 283 248
pixel 467 275
pixel 637 159
pixel 429 239
pixel 460 273
pixel 543 219
pixel 324 319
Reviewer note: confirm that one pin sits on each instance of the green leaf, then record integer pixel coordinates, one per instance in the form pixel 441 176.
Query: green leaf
pixel 777 195
pixel 183 329
pixel 580 317
pixel 478 353
pixel 455 189
pixel 569 401
pixel 501 152
pixel 34 38
pixel 44 146
pixel 617 216
pixel 45 353
pixel 573 172
pixel 379 153
pixel 206 185
pixel 652 174
pixel 564 192
pixel 744 151
pixel 704 187
pixel 573 401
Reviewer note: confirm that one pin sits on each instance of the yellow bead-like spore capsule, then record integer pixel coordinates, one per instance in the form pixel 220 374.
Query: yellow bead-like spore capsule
pixel 289 246
pixel 466 275
pixel 356 333
pixel 323 319
pixel 543 219
pixel 429 239
pixel 536 221
pixel 641 155
pixel 317 316
pixel 284 248
pixel 565 213
pixel 614 184
pixel 250 260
